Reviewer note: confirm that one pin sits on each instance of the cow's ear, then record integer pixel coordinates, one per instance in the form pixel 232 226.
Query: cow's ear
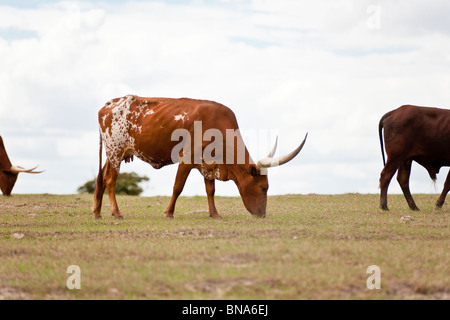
pixel 253 170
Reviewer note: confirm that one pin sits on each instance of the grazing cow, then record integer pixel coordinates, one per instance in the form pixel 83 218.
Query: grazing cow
pixel 8 172
pixel 414 134
pixel 151 129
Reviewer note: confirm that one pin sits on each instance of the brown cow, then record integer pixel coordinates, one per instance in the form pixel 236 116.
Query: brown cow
pixel 418 134
pixel 8 172
pixel 151 129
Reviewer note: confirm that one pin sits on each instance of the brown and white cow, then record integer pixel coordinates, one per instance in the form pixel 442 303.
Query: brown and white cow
pixel 418 134
pixel 8 172
pixel 151 129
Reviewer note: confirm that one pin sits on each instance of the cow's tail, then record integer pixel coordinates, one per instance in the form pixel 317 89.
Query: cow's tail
pixel 380 132
pixel 98 194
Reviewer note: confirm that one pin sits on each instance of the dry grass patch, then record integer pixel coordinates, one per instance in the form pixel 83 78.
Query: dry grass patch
pixel 308 247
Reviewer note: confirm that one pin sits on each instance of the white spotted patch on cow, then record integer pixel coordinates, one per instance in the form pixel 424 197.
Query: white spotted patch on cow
pixel 117 138
pixel 208 174
pixel 180 116
pixel 104 119
pixel 217 174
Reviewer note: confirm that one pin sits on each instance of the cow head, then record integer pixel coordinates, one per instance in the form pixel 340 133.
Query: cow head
pixel 8 172
pixel 253 183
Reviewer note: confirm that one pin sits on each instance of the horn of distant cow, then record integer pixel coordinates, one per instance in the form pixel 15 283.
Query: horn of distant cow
pixel 17 169
pixel 269 161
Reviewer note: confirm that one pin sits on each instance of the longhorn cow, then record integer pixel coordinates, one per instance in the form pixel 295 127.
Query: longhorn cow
pixel 151 129
pixel 8 172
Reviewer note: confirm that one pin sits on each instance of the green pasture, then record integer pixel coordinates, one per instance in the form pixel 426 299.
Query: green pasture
pixel 308 247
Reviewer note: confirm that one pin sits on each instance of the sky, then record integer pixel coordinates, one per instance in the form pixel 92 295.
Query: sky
pixel 331 68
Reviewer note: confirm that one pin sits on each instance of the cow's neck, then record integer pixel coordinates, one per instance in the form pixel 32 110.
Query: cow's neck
pixel 238 173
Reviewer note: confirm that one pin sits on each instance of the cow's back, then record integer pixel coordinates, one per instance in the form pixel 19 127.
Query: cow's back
pixel 418 133
pixel 144 126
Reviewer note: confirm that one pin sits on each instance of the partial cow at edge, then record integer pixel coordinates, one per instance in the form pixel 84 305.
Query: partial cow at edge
pixel 144 127
pixel 8 172
pixel 419 134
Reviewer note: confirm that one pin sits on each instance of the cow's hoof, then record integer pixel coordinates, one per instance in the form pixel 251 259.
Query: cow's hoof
pixel 169 216
pixel 215 216
pixel 98 217
pixel 439 206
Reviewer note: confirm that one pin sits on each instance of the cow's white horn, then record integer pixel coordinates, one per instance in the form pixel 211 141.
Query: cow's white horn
pixel 17 169
pixel 272 153
pixel 269 161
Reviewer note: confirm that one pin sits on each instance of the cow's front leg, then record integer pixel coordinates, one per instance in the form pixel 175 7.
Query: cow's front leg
pixel 180 180
pixel 210 190
pixel 404 172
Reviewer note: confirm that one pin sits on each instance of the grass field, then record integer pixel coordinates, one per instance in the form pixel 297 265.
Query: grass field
pixel 308 247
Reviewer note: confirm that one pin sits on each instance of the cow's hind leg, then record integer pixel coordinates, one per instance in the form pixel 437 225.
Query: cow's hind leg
pixel 98 194
pixel 404 172
pixel 111 175
pixel 446 189
pixel 180 180
pixel 385 178
pixel 210 190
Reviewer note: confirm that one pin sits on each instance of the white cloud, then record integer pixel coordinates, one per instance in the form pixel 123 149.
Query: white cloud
pixel 78 147
pixel 288 66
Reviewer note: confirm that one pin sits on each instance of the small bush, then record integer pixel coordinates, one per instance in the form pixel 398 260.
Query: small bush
pixel 127 183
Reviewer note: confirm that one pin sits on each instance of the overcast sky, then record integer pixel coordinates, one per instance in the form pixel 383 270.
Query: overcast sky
pixel 285 67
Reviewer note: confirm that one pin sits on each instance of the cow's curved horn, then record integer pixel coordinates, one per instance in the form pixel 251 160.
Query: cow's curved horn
pixel 269 161
pixel 272 153
pixel 17 169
